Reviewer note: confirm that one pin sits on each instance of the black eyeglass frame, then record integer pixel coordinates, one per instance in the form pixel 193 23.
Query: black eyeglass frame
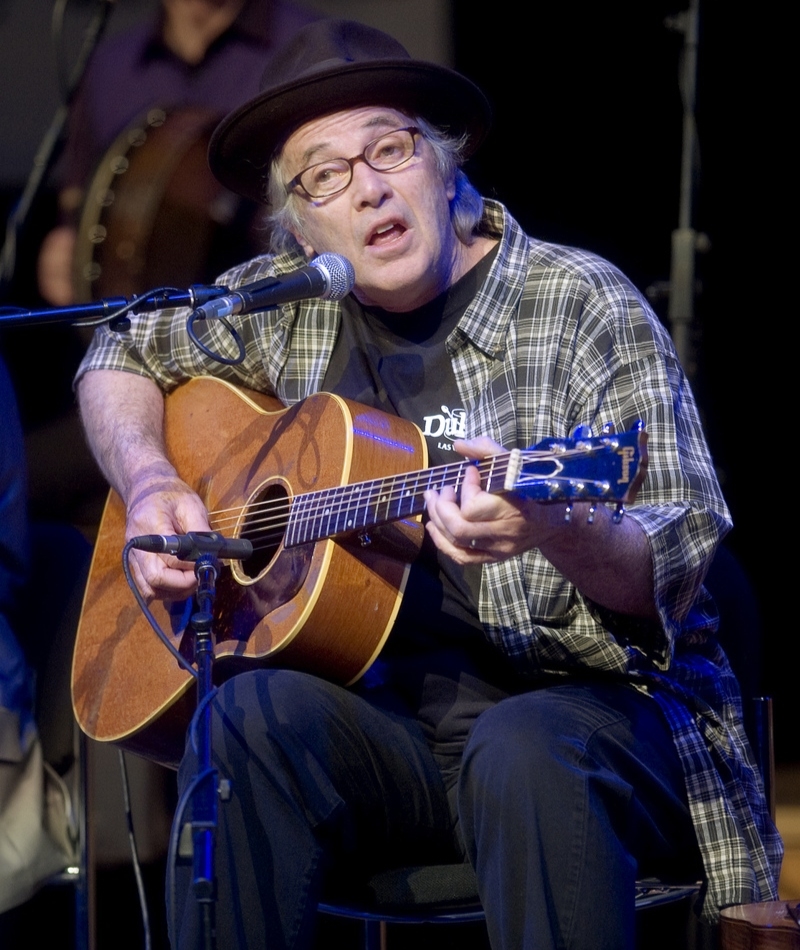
pixel 296 183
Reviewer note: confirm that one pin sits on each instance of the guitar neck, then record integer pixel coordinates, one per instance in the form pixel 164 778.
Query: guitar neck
pixel 608 468
pixel 324 514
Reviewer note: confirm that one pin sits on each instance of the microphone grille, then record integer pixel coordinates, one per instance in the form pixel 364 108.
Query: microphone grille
pixel 339 274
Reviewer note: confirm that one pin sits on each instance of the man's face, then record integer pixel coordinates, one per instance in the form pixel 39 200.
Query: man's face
pixel 394 226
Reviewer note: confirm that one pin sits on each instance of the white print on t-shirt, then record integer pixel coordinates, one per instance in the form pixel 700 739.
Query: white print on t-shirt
pixel 451 423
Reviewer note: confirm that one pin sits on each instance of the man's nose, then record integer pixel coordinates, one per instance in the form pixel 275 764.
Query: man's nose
pixel 369 187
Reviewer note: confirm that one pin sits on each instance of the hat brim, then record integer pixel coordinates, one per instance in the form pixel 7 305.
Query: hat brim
pixel 243 144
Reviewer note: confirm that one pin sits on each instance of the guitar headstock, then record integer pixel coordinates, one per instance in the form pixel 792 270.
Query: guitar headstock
pixel 605 468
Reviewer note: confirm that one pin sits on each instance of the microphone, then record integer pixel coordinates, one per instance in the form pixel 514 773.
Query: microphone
pixel 195 544
pixel 329 276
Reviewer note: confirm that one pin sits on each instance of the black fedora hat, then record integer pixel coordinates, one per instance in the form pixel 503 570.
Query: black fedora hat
pixel 332 65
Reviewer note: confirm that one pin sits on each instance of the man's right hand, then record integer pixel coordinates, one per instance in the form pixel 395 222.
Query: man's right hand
pixel 164 505
pixel 123 418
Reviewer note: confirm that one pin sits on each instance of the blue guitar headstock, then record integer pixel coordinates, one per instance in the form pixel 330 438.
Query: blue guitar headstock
pixel 609 467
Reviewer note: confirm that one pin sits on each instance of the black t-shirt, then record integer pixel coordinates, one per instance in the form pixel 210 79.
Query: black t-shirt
pixel 398 363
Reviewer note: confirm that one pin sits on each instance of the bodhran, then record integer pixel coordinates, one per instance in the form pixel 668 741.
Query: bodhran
pixel 155 216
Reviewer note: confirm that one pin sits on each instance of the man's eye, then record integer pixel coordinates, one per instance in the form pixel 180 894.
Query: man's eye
pixel 387 151
pixel 324 174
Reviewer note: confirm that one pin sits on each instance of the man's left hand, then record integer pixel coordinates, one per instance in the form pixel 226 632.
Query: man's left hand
pixel 482 527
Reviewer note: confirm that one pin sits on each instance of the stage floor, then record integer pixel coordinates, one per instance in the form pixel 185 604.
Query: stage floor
pixel 47 918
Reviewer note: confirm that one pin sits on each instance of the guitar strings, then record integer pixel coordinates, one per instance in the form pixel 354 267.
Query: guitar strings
pixel 268 520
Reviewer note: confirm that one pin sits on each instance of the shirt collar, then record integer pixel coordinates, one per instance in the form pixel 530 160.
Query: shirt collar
pixel 487 320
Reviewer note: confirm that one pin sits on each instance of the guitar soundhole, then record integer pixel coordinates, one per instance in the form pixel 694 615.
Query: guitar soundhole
pixel 264 526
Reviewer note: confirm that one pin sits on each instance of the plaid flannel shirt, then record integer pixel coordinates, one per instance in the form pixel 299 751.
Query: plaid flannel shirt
pixel 555 338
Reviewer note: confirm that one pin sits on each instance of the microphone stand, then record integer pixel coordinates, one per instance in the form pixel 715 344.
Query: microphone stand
pixel 202 790
pixel 681 290
pixel 685 239
pixel 204 803
pixel 112 310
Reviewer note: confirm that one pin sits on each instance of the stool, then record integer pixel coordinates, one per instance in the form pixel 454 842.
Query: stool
pixel 446 894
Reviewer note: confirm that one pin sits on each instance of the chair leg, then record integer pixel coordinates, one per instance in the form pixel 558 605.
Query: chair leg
pixel 763 746
pixel 84 888
pixel 374 935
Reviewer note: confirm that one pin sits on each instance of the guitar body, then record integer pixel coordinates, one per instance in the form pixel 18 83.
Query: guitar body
pixel 772 925
pixel 324 607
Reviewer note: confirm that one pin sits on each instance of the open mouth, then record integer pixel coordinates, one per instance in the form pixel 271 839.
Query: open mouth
pixel 385 234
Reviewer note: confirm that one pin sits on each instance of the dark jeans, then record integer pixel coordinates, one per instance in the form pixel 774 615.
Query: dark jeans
pixel 565 794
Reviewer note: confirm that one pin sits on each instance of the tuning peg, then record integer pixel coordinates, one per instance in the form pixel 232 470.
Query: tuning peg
pixel 609 428
pixel 619 513
pixel 555 489
pixel 582 432
pixel 577 489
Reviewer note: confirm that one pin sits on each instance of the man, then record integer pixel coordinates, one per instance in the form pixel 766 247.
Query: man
pixel 551 687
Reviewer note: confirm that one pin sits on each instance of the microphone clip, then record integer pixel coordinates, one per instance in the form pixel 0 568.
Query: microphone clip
pixel 194 545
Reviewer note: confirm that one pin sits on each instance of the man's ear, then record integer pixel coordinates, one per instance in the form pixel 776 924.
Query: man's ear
pixel 308 250
pixel 450 187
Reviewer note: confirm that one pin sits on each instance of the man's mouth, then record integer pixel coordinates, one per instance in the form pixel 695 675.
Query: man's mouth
pixel 386 233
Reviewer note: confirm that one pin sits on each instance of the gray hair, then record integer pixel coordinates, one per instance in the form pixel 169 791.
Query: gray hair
pixel 466 207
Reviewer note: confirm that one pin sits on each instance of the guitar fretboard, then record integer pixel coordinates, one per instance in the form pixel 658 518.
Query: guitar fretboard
pixel 602 469
pixel 333 511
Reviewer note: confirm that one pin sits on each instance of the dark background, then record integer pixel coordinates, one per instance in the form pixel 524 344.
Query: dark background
pixel 585 150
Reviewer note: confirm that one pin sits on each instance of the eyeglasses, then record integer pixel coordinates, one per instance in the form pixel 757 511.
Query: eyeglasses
pixel 382 154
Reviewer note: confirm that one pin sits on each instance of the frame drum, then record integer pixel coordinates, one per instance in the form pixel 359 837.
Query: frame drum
pixel 154 214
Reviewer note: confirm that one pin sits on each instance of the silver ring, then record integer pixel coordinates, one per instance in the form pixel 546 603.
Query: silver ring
pixel 473 543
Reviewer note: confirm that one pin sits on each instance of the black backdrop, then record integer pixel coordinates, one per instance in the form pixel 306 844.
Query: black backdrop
pixel 586 150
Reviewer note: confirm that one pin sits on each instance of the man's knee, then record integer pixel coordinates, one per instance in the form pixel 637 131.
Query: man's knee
pixel 537 747
pixel 260 708
pixel 270 692
pixel 523 733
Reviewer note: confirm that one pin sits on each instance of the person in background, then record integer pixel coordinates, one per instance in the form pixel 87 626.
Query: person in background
pixel 34 841
pixel 16 679
pixel 203 53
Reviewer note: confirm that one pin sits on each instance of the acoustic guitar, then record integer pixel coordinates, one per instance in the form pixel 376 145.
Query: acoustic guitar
pixel 331 494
